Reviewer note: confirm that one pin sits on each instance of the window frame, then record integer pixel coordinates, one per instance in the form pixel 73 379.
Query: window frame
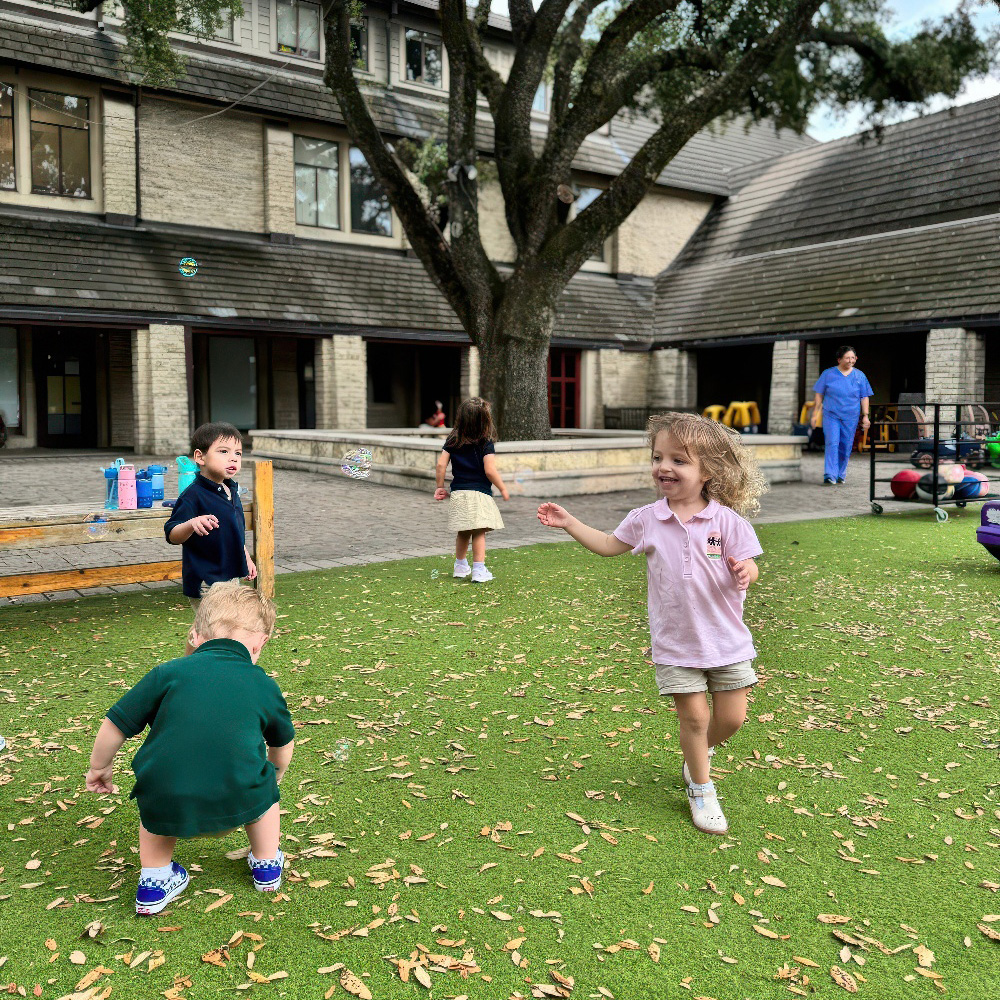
pixel 437 88
pixel 34 103
pixel 10 98
pixel 275 45
pixel 363 23
pixel 22 194
pixel 346 232
pixel 605 265
pixel 339 227
pixel 231 40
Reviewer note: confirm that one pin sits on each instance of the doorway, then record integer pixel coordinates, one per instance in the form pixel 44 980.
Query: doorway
pixel 66 379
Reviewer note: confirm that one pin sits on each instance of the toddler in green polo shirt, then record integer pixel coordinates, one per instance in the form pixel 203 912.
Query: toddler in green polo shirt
pixel 220 739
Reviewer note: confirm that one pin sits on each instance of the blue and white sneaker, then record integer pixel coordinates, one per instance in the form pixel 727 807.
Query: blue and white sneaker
pixel 154 894
pixel 266 874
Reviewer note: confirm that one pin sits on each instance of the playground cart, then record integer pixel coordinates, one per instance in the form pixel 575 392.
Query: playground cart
pixel 941 454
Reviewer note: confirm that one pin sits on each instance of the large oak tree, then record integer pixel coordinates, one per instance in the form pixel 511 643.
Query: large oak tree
pixel 684 63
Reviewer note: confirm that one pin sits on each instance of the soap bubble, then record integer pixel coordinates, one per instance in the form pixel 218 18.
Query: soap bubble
pixel 3 743
pixel 434 574
pixel 343 750
pixel 358 463
pixel 96 525
pixel 188 266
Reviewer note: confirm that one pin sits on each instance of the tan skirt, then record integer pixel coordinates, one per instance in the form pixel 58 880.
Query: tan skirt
pixel 470 510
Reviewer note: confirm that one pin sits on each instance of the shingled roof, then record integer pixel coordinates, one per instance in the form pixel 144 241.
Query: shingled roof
pixel 852 235
pixel 704 165
pixel 87 270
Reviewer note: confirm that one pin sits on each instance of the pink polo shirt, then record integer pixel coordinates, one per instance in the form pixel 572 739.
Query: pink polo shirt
pixel 695 608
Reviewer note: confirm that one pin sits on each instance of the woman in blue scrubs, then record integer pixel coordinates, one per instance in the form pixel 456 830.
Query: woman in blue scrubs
pixel 842 394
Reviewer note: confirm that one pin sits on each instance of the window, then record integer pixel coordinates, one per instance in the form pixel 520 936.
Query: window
pixel 588 196
pixel 359 43
pixel 298 28
pixel 8 180
pixel 423 58
pixel 317 182
pixel 60 144
pixel 564 387
pixel 541 101
pixel 370 211
pixel 225 29
pixel 10 399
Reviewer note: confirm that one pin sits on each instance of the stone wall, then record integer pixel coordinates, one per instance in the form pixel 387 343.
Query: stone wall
pixel 673 379
pixel 120 376
pixel 469 373
pixel 341 381
pixel 496 238
pixel 284 376
pixel 783 405
pixel 621 378
pixel 279 180
pixel 206 174
pixel 652 236
pixel 159 390
pixel 119 156
pixel 956 366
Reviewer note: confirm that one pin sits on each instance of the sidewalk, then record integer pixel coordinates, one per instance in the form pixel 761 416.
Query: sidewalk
pixel 322 521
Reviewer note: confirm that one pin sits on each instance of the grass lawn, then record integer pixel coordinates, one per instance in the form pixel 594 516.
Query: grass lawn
pixel 511 795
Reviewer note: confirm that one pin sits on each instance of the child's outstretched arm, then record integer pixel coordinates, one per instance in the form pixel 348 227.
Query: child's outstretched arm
pixel 106 745
pixel 745 572
pixel 440 493
pixel 281 757
pixel 490 468
pixel 601 542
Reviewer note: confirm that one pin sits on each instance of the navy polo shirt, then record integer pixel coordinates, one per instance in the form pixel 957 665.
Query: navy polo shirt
pixel 221 554
pixel 467 469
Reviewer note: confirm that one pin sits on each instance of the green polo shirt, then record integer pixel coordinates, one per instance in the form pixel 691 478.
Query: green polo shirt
pixel 211 716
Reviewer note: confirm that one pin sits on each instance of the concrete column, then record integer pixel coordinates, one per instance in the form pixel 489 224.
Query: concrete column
pixel 341 380
pixel 955 366
pixel 812 369
pixel 591 413
pixel 673 379
pixel 469 374
pixel 119 159
pixel 160 391
pixel 783 405
pixel 279 180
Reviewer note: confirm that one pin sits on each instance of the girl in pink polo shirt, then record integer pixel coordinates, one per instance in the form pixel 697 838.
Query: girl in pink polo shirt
pixel 700 561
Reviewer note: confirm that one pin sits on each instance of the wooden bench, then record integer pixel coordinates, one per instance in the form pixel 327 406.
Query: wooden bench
pixel 74 524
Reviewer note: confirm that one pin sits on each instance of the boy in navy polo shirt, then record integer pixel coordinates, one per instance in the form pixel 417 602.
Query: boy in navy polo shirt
pixel 208 518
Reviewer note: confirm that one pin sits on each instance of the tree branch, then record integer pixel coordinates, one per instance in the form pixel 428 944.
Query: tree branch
pixel 432 250
pixel 568 45
pixel 567 249
pixel 870 50
pixel 522 13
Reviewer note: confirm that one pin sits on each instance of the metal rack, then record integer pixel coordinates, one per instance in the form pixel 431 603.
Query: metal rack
pixel 959 434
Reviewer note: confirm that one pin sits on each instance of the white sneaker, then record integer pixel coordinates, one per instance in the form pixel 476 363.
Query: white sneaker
pixel 686 774
pixel 706 813
pixel 462 570
pixel 481 575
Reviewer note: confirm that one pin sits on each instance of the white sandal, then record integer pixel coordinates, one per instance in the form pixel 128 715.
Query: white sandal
pixel 708 816
pixel 686 774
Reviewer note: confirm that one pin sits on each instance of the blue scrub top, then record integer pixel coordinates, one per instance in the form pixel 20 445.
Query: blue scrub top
pixel 842 394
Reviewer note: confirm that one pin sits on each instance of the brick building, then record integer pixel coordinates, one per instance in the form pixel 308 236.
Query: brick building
pixel 308 308
pixel 892 246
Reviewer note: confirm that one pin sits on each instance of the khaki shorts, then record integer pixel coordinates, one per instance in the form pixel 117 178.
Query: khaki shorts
pixel 691 680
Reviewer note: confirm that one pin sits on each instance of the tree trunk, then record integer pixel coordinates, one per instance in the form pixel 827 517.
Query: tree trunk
pixel 513 368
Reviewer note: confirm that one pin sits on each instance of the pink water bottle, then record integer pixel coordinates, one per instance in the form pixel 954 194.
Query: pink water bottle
pixel 126 488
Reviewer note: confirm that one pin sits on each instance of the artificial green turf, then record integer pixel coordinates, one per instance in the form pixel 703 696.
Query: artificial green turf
pixel 873 736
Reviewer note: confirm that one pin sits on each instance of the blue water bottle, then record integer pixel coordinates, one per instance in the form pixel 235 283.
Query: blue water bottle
pixel 144 489
pixel 157 473
pixel 187 472
pixel 111 488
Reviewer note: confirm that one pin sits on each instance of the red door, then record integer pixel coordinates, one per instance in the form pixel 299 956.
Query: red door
pixel 564 387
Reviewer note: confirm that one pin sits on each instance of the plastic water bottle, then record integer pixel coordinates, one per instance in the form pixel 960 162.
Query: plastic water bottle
pixel 157 473
pixel 3 743
pixel 126 488
pixel 343 750
pixel 187 472
pixel 111 488
pixel 143 489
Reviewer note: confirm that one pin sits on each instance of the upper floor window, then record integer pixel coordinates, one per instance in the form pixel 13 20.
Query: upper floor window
pixel 60 144
pixel 225 29
pixel 587 196
pixel 8 180
pixel 423 58
pixel 370 211
pixel 298 28
pixel 541 101
pixel 317 182
pixel 359 43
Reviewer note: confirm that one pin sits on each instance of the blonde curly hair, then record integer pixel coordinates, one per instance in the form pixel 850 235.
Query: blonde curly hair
pixel 734 478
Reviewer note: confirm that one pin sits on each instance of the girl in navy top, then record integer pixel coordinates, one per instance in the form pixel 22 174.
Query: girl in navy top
pixel 472 510
pixel 842 394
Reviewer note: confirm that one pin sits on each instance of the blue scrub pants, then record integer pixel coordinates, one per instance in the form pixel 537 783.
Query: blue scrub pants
pixel 838 432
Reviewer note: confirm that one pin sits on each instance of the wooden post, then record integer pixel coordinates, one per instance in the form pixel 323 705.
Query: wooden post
pixel 263 525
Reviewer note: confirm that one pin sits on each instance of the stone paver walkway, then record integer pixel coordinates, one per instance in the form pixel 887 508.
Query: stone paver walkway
pixel 322 521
